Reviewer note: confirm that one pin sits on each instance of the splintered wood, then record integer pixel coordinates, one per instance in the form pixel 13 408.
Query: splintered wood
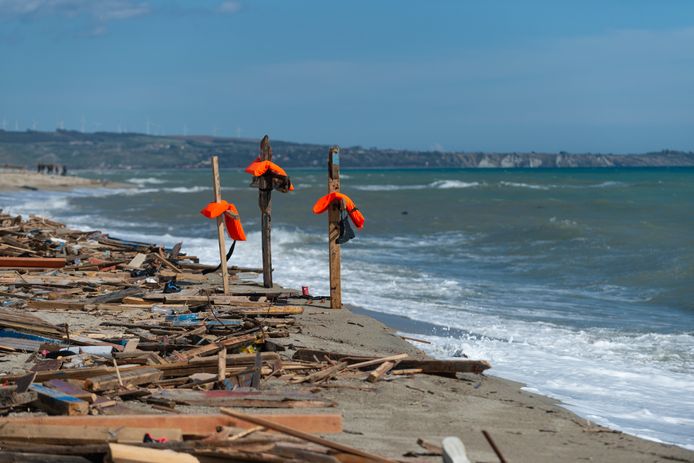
pixel 165 339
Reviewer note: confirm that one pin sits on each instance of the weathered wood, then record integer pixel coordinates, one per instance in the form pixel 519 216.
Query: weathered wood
pixel 265 204
pixel 377 361
pixel 55 402
pixel 217 187
pixel 221 364
pixel 36 262
pixel 65 435
pixel 247 399
pixel 428 366
pixel 30 457
pixel 137 261
pixel 129 377
pixel 192 425
pixel 302 435
pixel 55 305
pixel 379 372
pixel 115 296
pixel 120 453
pixel 334 229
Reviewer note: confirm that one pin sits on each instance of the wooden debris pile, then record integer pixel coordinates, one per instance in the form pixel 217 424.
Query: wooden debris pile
pixel 141 334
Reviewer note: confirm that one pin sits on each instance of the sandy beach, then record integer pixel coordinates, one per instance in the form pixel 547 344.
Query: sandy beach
pixel 388 417
pixel 16 180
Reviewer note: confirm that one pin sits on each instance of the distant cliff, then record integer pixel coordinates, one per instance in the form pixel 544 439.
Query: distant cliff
pixel 132 150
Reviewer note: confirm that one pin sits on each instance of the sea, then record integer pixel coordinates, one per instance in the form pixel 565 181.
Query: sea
pixel 578 283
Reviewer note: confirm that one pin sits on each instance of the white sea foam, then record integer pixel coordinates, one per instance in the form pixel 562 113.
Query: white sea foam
pixel 439 184
pixel 146 181
pixel 186 189
pixel 525 185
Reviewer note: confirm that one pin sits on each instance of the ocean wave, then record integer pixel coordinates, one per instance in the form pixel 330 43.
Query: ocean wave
pixel 146 181
pixel 535 186
pixel 525 185
pixel 438 184
pixel 185 189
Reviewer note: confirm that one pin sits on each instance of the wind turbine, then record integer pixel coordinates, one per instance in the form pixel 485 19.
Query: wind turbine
pixel 83 123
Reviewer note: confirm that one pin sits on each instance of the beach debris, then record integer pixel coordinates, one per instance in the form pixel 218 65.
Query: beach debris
pixel 115 358
pixel 453 450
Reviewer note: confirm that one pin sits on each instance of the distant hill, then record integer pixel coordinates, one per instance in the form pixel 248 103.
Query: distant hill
pixel 134 150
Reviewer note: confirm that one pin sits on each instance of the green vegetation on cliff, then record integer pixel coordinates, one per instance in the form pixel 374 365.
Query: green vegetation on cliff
pixel 80 150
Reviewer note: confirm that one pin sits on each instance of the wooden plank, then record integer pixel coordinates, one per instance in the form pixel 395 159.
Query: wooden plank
pixel 133 377
pixel 115 296
pixel 379 372
pixel 36 262
pixel 121 453
pixel 55 304
pixel 428 366
pixel 56 402
pixel 137 261
pixel 65 435
pixel 247 399
pixel 302 435
pixel 192 425
pixel 217 187
pixel 334 229
pixel 265 203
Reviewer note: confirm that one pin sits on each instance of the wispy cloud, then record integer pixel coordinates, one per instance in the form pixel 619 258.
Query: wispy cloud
pixel 96 15
pixel 229 7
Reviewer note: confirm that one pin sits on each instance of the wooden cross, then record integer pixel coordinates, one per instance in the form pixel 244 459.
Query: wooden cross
pixel 265 203
pixel 217 187
pixel 334 229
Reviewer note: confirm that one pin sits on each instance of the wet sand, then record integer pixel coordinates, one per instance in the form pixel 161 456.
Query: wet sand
pixel 388 417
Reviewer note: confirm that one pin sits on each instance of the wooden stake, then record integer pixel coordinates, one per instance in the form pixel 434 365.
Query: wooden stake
pixel 257 420
pixel 222 365
pixel 216 185
pixel 264 201
pixel 334 229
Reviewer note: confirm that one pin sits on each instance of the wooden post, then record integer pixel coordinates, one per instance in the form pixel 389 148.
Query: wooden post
pixel 264 201
pixel 217 187
pixel 334 229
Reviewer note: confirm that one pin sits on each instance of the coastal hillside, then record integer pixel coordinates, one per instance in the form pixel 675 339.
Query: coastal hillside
pixel 133 150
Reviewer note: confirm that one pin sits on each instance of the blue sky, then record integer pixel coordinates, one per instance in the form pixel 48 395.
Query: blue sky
pixel 580 76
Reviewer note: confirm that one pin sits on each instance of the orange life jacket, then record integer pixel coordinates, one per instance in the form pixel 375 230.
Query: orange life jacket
pixel 323 203
pixel 231 218
pixel 258 168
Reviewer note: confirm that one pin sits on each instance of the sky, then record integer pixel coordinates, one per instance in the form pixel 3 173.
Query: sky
pixel 577 76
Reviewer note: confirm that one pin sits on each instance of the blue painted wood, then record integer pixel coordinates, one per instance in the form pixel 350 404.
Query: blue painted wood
pixel 54 394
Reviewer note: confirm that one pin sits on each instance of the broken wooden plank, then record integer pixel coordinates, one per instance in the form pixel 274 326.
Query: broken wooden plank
pixel 192 425
pixel 116 296
pixel 66 435
pixel 56 402
pixel 132 377
pixel 121 453
pixel 379 372
pixel 244 399
pixel 137 261
pixel 35 262
pixel 428 366
pixel 302 435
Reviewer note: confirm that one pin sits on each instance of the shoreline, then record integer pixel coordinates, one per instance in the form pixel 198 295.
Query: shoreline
pixel 17 180
pixel 461 407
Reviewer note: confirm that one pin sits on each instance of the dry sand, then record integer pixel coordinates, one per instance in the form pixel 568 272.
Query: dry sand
pixel 389 417
pixel 14 180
